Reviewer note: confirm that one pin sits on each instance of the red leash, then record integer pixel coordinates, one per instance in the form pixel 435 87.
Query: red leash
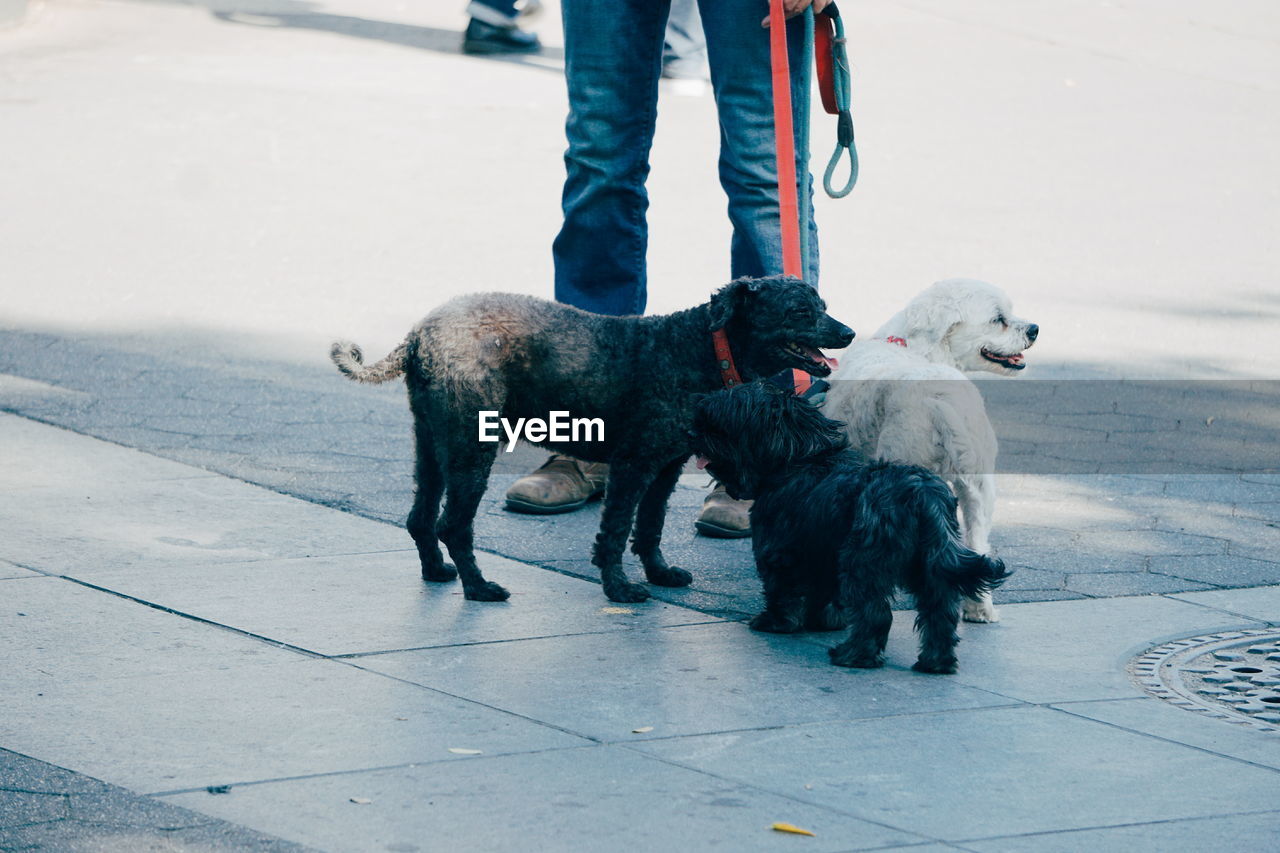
pixel 785 153
pixel 785 141
pixel 785 157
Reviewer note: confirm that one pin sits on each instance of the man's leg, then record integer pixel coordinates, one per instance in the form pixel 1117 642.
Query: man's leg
pixel 738 51
pixel 613 58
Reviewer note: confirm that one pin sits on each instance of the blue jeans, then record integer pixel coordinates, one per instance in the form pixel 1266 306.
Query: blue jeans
pixel 613 59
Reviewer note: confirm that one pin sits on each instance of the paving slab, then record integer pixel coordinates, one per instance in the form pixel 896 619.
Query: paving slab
pixel 73 836
pixel 169 732
pixel 93 816
pixel 586 799
pixel 1262 603
pixel 56 632
pixel 1161 719
pixel 675 681
pixel 1233 832
pixel 1062 650
pixel 40 456
pixel 19 808
pixel 981 773
pixel 1102 584
pixel 8 571
pixel 1220 570
pixel 151 525
pixel 378 602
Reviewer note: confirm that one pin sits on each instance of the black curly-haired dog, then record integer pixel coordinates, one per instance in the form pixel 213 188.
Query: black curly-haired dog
pixel 525 357
pixel 834 533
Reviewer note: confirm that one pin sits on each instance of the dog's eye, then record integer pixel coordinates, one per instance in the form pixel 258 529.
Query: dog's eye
pixel 1001 320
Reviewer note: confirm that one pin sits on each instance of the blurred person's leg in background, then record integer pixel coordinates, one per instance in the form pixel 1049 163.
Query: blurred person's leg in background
pixel 494 27
pixel 684 50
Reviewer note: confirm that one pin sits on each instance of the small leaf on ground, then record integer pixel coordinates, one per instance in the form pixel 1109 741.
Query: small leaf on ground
pixel 786 827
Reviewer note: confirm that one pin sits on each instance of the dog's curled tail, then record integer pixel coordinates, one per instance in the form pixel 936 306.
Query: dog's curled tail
pixel 964 569
pixel 350 360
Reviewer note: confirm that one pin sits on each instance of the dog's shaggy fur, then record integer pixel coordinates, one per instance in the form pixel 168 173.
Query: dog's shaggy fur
pixel 904 397
pixel 833 533
pixel 526 357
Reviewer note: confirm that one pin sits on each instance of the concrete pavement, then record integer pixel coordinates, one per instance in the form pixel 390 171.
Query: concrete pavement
pixel 277 672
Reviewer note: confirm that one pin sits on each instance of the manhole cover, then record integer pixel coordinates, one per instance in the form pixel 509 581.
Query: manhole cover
pixel 1232 676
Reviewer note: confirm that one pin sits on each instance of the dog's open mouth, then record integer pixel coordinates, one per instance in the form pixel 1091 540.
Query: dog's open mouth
pixel 1013 362
pixel 811 358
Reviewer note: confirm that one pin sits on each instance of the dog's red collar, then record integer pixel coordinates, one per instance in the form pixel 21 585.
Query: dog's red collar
pixel 894 339
pixel 724 359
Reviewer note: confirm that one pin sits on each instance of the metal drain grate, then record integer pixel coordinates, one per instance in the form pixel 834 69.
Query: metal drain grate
pixel 1232 676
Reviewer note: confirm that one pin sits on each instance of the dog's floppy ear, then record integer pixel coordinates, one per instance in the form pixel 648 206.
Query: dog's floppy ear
pixel 930 316
pixel 728 299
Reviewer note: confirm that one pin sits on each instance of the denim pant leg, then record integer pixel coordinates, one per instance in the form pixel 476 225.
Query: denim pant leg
pixel 738 51
pixel 613 58
pixel 495 12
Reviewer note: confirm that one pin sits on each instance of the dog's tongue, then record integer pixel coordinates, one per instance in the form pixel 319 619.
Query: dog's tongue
pixel 817 355
pixel 702 462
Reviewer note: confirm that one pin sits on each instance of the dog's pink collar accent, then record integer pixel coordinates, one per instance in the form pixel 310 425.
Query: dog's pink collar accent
pixel 724 359
pixel 894 339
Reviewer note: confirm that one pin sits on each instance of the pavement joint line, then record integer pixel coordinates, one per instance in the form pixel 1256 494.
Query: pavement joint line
pixel 948 845
pixel 1138 698
pixel 470 701
pixel 1173 596
pixel 361 655
pixel 1012 703
pixel 430 762
pixel 277 643
pixel 796 798
pixel 1052 832
pixel 1168 740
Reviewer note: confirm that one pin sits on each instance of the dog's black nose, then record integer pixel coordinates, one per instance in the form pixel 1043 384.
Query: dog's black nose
pixel 848 334
pixel 1033 332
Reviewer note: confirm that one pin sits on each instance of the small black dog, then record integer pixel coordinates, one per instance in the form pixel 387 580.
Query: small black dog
pixel 834 533
pixel 524 358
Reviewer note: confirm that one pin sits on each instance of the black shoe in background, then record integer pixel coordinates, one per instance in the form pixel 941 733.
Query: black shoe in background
pixel 486 38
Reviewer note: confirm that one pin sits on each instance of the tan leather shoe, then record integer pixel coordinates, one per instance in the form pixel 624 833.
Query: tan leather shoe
pixel 722 517
pixel 561 485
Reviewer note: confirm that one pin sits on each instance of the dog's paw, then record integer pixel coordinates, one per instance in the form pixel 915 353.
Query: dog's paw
pixel 668 576
pixel 488 591
pixel 943 666
pixel 626 593
pixel 440 573
pixel 856 658
pixel 772 623
pixel 829 618
pixel 980 611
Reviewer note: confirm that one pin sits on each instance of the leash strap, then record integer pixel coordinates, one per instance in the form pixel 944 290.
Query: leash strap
pixel 724 359
pixel 784 141
pixel 785 157
pixel 835 83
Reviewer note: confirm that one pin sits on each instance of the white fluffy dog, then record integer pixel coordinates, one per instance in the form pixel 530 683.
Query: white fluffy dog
pixel 904 397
